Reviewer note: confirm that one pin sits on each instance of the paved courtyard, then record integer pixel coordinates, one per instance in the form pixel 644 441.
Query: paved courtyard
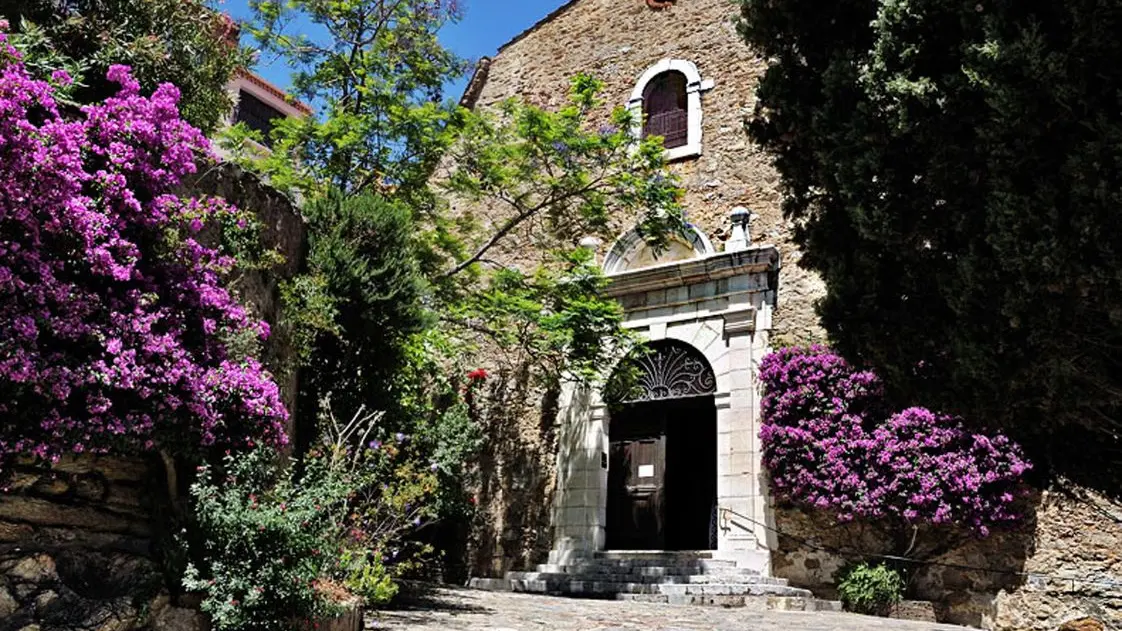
pixel 469 610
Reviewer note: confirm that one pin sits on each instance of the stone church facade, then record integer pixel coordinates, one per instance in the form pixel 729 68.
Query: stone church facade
pixel 678 466
pixel 712 306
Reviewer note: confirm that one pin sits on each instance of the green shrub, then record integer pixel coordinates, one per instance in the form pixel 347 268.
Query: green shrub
pixel 184 42
pixel 267 539
pixel 870 589
pixel 368 578
pixel 278 546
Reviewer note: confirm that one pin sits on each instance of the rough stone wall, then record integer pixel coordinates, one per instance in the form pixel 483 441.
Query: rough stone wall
pixel 1078 545
pixel 618 41
pixel 75 544
pixel 1064 564
pixel 78 541
pixel 516 473
pixel 284 230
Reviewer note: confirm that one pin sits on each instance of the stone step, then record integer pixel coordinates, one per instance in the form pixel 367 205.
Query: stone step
pixel 658 562
pixel 642 555
pixel 747 577
pixel 732 589
pixel 646 570
pixel 759 603
pixel 697 564
pixel 702 579
pixel 568 587
pixel 490 584
pixel 663 562
pixel 681 578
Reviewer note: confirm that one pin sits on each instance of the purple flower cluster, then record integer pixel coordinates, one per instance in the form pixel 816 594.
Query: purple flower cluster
pixel 111 312
pixel 828 443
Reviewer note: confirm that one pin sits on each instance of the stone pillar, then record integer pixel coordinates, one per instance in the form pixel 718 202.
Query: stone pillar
pixel 741 495
pixel 762 501
pixel 738 492
pixel 579 511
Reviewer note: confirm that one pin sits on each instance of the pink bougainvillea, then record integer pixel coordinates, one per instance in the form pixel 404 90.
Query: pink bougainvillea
pixel 112 315
pixel 828 443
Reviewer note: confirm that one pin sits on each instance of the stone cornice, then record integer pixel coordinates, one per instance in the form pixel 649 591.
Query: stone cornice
pixel 754 260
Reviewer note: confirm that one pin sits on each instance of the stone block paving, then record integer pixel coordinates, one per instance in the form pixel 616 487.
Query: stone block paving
pixel 471 610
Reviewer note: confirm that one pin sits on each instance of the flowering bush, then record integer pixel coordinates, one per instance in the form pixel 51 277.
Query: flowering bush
pixel 827 443
pixel 276 547
pixel 265 541
pixel 114 325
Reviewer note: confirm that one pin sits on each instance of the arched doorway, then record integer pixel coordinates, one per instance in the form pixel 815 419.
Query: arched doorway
pixel 662 470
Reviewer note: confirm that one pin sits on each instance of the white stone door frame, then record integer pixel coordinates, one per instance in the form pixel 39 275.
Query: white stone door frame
pixel 720 304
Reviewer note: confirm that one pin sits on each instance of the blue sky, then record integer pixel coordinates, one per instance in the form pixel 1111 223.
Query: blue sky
pixel 486 25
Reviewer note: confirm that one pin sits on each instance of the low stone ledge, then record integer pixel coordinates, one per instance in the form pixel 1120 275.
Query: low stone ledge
pixel 112 469
pixel 75 590
pixel 349 620
pixel 40 512
pixel 1060 565
pixel 918 610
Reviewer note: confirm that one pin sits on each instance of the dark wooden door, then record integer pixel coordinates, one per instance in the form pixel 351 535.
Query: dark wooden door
pixel 636 483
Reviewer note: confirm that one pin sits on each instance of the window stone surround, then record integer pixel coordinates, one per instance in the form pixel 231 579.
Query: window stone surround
pixel 695 85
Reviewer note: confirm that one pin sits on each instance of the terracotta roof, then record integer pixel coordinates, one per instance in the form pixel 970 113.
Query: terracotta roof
pixel 483 68
pixel 274 90
pixel 556 12
pixel 479 77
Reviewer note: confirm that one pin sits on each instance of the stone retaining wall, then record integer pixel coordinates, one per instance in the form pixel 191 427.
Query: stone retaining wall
pixel 75 544
pixel 77 540
pixel 283 230
pixel 515 478
pixel 1064 564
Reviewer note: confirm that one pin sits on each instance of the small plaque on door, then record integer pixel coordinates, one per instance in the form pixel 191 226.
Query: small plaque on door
pixel 646 471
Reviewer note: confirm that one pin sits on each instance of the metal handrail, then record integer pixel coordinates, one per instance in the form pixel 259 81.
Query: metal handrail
pixel 726 522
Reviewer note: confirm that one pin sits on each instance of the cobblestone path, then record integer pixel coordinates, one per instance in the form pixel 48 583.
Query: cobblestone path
pixel 469 610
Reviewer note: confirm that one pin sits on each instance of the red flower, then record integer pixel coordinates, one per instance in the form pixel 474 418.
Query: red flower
pixel 479 374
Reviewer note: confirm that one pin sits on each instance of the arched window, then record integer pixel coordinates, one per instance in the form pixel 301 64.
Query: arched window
pixel 666 102
pixel 665 111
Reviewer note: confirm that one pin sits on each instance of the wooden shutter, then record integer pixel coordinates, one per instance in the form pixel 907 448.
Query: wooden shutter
pixel 665 110
pixel 256 114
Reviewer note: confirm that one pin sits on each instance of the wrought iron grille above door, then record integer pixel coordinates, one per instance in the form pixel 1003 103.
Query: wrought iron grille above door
pixel 668 370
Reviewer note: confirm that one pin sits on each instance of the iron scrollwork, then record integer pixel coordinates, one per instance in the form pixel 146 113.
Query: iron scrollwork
pixel 671 371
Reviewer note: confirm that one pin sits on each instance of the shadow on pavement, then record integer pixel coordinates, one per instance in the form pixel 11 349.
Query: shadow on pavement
pixel 440 598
